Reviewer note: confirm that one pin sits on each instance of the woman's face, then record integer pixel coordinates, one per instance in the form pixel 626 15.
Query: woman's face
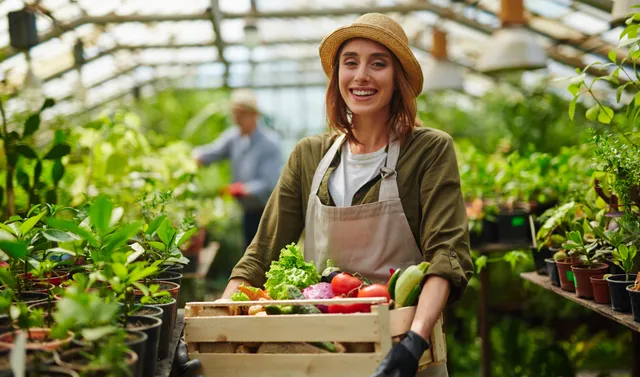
pixel 366 77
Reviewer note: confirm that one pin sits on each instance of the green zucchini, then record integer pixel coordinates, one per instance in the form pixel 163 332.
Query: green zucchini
pixel 327 346
pixel 414 295
pixel 392 283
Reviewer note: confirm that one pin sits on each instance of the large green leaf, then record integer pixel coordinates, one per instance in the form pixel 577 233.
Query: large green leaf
pixel 58 235
pixel 98 333
pixel 37 172
pixel 23 180
pixel 31 125
pixel 73 228
pixel 29 223
pixel 184 237
pixel 140 274
pixel 14 249
pixel 7 229
pixel 57 152
pixel 26 151
pixel 100 214
pixel 120 270
pixel 155 223
pixel 121 236
pixel 57 172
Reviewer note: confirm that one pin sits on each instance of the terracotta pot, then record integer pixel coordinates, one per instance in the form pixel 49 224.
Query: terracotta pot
pixel 74 360
pixel 7 340
pixel 41 287
pixel 55 278
pixel 600 287
pixel 565 274
pixel 583 274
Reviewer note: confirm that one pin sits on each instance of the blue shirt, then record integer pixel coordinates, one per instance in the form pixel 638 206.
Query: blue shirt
pixel 256 161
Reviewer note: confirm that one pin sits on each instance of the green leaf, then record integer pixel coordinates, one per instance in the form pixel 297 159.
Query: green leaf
pixel 31 125
pixel 158 245
pixel 74 228
pixel 26 151
pixel 58 236
pixel 605 115
pixel 14 249
pixel 481 262
pixel 592 113
pixel 57 172
pixel 121 236
pixel 141 274
pixel 612 56
pixel 97 333
pixel 574 89
pixel 7 229
pixel 23 180
pixel 57 152
pixel 30 223
pixel 164 231
pixel 60 250
pixel 100 214
pixel 120 270
pixel 155 223
pixel 184 237
pixel 572 108
pixel 37 172
pixel 141 287
pixel 49 102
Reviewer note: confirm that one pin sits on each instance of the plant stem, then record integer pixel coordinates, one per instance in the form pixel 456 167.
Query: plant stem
pixel 611 119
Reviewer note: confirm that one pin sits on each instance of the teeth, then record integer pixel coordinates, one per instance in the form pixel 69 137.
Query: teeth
pixel 364 92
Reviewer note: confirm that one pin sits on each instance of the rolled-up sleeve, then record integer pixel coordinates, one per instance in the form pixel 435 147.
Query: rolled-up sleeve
pixel 281 224
pixel 444 224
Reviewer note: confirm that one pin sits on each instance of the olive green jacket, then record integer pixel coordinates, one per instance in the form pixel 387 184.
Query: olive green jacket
pixel 429 186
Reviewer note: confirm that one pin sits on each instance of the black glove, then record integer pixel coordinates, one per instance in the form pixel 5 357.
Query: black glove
pixel 402 360
pixel 183 367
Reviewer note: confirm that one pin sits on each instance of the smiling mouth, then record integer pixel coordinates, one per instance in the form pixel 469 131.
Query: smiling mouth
pixel 360 93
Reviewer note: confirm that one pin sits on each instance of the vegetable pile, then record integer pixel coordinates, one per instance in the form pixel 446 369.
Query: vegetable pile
pixel 292 278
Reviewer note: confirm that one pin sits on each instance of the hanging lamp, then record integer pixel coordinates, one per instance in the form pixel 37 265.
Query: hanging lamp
pixel 512 47
pixel 621 10
pixel 442 74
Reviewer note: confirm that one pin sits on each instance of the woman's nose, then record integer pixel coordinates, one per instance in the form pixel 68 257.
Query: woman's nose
pixel 362 75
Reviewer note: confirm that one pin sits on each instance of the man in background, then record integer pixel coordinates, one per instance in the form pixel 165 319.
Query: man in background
pixel 256 159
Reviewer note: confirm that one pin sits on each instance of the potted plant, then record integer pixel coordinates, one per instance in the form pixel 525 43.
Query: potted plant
pixel 623 256
pixel 31 324
pixel 565 275
pixel 169 313
pixel 552 268
pixel 589 256
pixel 634 294
pixel 601 294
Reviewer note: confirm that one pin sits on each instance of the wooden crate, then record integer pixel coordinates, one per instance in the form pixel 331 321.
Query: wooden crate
pixel 213 336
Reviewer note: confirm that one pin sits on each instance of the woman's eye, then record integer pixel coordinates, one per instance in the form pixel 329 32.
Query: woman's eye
pixel 350 63
pixel 379 64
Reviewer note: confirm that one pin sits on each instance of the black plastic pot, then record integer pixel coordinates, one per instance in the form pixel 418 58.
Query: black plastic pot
pixel 179 268
pixel 44 305
pixel 148 311
pixel 620 300
pixel 151 327
pixel 166 331
pixel 552 271
pixel 513 227
pixel 539 257
pixel 171 276
pixel 137 342
pixel 32 297
pixel 635 303
pixel 75 360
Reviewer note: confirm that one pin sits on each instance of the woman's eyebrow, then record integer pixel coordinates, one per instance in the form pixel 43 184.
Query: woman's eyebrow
pixel 374 55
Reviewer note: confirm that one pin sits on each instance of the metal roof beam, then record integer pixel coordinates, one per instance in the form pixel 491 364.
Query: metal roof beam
pixel 215 15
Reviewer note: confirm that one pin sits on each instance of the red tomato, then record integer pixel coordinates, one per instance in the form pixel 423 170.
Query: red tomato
pixel 345 284
pixel 374 290
pixel 349 308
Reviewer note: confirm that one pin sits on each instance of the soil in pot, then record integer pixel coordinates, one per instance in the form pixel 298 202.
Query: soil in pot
pixel 151 327
pixel 635 303
pixel 539 257
pixel 39 339
pixel 620 300
pixel 552 271
pixel 170 276
pixel 168 322
pixel 54 277
pixel 172 288
pixel 600 286
pixel 565 274
pixel 583 274
pixel 75 360
pixel 149 311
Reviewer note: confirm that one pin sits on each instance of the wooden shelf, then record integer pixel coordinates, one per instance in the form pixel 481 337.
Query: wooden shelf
pixel 605 310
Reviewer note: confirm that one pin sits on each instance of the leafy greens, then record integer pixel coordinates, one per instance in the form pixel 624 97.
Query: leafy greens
pixel 290 269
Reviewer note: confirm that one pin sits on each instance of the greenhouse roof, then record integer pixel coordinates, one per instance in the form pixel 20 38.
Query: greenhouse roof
pixel 132 43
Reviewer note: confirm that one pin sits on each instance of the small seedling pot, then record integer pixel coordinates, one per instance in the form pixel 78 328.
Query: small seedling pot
pixel 565 274
pixel 151 327
pixel 40 337
pixel 552 271
pixel 169 313
pixel 634 296
pixel 620 300
pixel 583 274
pixel 601 294
pixel 74 360
pixel 539 259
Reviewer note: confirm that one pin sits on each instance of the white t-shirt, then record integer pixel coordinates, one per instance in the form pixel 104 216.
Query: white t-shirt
pixel 353 172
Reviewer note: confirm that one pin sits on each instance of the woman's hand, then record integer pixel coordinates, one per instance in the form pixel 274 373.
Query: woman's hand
pixel 402 360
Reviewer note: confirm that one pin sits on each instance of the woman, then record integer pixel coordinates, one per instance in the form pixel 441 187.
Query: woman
pixel 380 193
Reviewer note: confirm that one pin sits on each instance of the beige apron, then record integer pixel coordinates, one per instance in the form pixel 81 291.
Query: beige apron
pixel 369 238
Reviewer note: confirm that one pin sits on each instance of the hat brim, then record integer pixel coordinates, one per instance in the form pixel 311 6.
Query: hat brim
pixel 332 42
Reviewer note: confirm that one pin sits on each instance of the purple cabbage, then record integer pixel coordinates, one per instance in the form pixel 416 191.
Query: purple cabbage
pixel 320 291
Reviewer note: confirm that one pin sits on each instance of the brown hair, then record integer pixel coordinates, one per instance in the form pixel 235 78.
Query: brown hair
pixel 403 106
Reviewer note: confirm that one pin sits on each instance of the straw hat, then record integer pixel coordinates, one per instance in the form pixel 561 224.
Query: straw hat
pixel 246 99
pixel 382 29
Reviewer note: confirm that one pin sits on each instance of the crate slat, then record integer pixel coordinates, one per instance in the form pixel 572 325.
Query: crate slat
pixel 289 328
pixel 269 365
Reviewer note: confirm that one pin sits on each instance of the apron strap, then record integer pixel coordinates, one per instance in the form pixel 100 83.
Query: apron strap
pixel 322 168
pixel 389 183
